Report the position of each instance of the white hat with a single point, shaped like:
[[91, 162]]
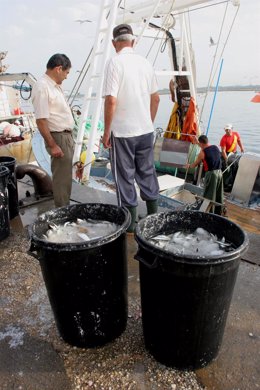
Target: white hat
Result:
[[229, 126]]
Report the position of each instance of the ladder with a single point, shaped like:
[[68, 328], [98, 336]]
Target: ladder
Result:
[[185, 60], [110, 14], [94, 81], [146, 10]]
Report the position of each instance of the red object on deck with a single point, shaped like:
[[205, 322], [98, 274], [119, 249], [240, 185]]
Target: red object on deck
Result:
[[190, 126], [17, 111], [256, 98]]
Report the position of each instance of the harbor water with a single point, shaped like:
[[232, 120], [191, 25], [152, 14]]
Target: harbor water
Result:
[[230, 107]]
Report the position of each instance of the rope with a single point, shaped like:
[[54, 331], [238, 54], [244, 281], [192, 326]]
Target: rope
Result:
[[215, 95], [75, 87], [85, 69], [211, 78], [205, 6], [124, 12], [162, 47], [21, 88], [224, 46], [188, 158]]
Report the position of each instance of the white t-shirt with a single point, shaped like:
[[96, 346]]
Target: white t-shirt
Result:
[[130, 78], [49, 103]]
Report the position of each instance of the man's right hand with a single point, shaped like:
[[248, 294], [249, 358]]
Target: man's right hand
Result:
[[56, 151], [106, 141]]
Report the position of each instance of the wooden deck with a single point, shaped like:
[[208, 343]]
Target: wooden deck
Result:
[[248, 219]]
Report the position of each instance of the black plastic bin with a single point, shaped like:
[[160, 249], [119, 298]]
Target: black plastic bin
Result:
[[185, 300], [86, 282], [10, 163], [4, 212]]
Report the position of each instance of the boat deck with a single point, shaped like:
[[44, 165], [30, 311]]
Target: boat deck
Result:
[[33, 356], [248, 219]]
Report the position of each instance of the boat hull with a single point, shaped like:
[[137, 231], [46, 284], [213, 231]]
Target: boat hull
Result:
[[20, 150]]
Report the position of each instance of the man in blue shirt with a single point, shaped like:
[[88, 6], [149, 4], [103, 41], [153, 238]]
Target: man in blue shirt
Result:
[[210, 155]]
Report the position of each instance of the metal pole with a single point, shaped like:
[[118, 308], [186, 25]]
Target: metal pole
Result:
[[237, 158], [215, 94]]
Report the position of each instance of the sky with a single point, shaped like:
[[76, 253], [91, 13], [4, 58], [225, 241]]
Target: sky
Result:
[[31, 31]]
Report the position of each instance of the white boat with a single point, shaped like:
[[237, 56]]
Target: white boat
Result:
[[241, 335], [152, 22], [159, 24], [16, 125]]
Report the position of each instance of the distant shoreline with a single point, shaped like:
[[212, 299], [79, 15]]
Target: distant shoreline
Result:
[[239, 88]]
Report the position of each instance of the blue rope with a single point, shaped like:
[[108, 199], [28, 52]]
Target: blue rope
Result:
[[215, 94]]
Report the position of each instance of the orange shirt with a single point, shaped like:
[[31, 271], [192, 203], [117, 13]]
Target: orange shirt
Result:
[[227, 141]]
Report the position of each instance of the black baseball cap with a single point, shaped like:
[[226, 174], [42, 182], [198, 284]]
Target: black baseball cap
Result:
[[122, 29]]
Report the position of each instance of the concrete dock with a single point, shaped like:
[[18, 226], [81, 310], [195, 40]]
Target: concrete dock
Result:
[[34, 357]]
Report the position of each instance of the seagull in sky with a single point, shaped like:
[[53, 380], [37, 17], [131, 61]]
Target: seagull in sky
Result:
[[83, 21], [212, 43]]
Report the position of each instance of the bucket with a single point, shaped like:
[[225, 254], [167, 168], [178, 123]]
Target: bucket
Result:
[[4, 212], [86, 282], [185, 299], [10, 162]]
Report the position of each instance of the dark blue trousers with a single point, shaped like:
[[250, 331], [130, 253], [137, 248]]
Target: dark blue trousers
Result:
[[132, 160]]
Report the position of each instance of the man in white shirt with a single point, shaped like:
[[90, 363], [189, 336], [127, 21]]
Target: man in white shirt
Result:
[[55, 123], [131, 103]]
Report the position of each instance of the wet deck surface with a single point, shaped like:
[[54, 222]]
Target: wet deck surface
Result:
[[34, 357]]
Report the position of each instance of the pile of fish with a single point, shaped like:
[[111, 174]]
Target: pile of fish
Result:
[[79, 231], [200, 243]]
